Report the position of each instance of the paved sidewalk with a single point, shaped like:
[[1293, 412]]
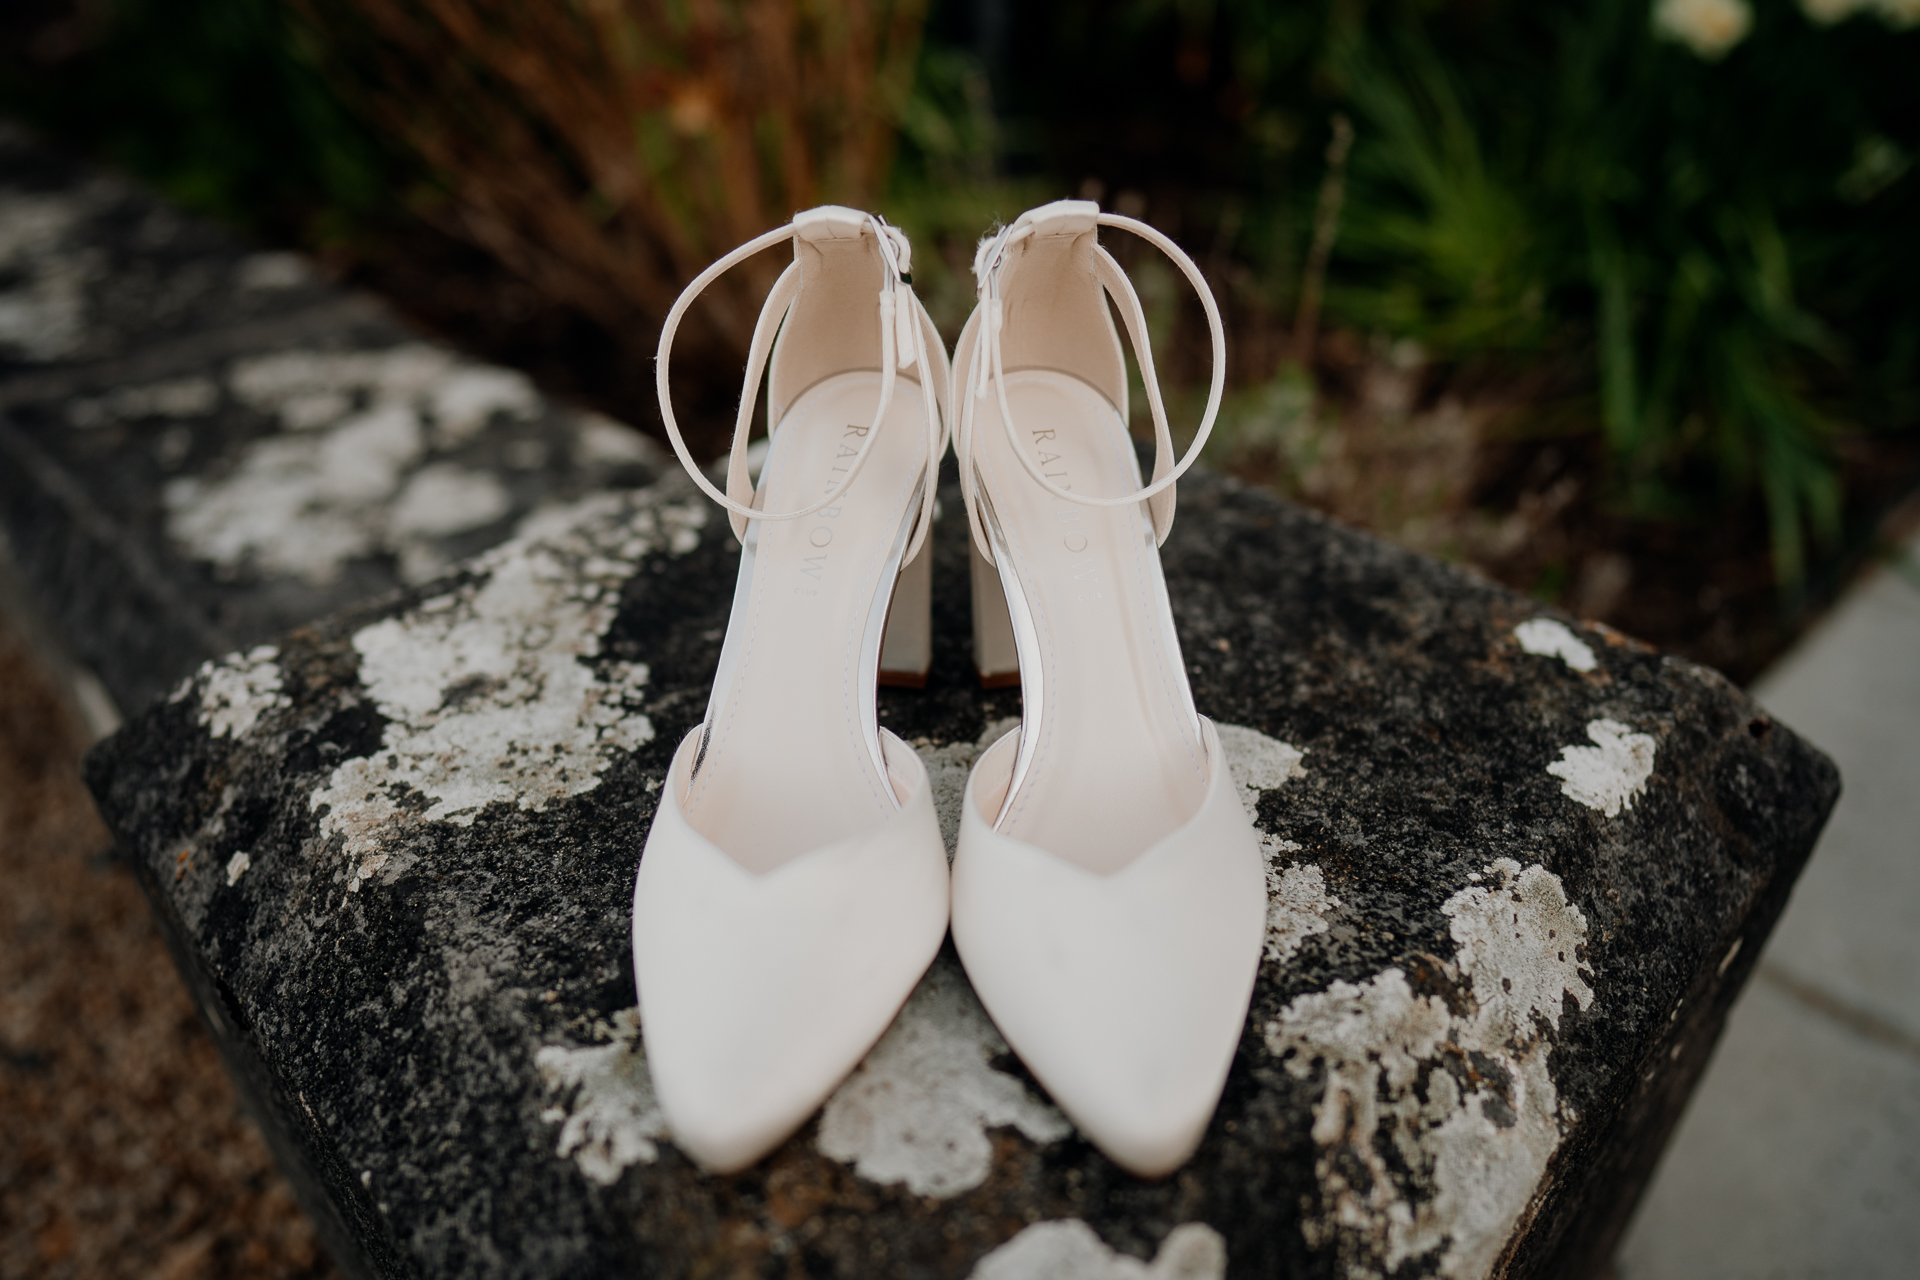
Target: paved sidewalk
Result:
[[1800, 1155]]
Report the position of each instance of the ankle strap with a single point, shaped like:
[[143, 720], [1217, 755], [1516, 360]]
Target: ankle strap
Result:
[[906, 332], [988, 366]]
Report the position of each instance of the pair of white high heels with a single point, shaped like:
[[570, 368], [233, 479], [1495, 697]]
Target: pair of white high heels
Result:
[[1107, 897]]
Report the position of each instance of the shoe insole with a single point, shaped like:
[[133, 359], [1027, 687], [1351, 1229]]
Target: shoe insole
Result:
[[790, 760], [1114, 761]]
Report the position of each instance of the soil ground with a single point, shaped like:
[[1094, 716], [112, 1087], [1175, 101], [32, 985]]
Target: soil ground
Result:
[[123, 1148]]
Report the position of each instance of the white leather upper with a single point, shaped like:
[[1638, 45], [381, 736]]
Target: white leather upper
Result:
[[759, 993], [1109, 894], [793, 889], [794, 884], [1123, 993]]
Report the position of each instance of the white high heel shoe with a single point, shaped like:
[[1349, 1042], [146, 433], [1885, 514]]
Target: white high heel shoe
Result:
[[794, 883], [1109, 900]]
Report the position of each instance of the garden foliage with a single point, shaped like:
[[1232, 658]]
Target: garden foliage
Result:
[[1706, 205], [1704, 208], [1726, 240], [217, 103]]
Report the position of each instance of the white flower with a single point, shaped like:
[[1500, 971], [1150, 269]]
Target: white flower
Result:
[[1708, 27]]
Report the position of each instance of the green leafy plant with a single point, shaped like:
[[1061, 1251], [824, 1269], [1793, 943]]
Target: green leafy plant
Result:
[[1447, 249], [214, 102], [1529, 181]]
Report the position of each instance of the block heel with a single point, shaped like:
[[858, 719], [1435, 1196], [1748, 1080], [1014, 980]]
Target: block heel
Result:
[[994, 655], [906, 652]]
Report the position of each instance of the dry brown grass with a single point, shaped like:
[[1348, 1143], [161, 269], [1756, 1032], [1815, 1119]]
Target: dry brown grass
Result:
[[607, 150]]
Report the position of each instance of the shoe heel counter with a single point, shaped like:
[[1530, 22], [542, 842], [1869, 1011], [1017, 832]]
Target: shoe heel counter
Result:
[[994, 655], [906, 647]]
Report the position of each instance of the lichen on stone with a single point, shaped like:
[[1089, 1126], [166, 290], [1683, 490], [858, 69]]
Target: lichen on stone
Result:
[[341, 480], [1258, 763], [607, 1115], [1435, 1124], [1552, 639], [444, 498], [235, 694], [603, 440], [171, 398], [1521, 935], [484, 689], [1297, 900], [299, 505], [917, 1110], [43, 303], [1612, 773], [463, 401], [394, 375]]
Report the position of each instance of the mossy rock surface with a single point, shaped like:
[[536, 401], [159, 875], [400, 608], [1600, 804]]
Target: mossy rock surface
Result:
[[1518, 866]]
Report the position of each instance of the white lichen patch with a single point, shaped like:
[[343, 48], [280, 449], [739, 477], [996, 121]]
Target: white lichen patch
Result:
[[605, 441], [1460, 1098], [918, 1109], [1069, 1249], [268, 272], [174, 398], [606, 1110], [1297, 900], [1551, 639], [299, 505], [1525, 931], [238, 865], [558, 519], [396, 375], [1258, 763], [1610, 774], [343, 479], [485, 690], [465, 399], [444, 498], [43, 303], [236, 692]]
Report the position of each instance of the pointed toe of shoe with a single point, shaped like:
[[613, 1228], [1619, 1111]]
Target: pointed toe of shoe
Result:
[[1125, 994], [722, 1117], [759, 993], [727, 1135], [1147, 1122], [751, 1017], [1141, 1086], [1154, 1149]]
